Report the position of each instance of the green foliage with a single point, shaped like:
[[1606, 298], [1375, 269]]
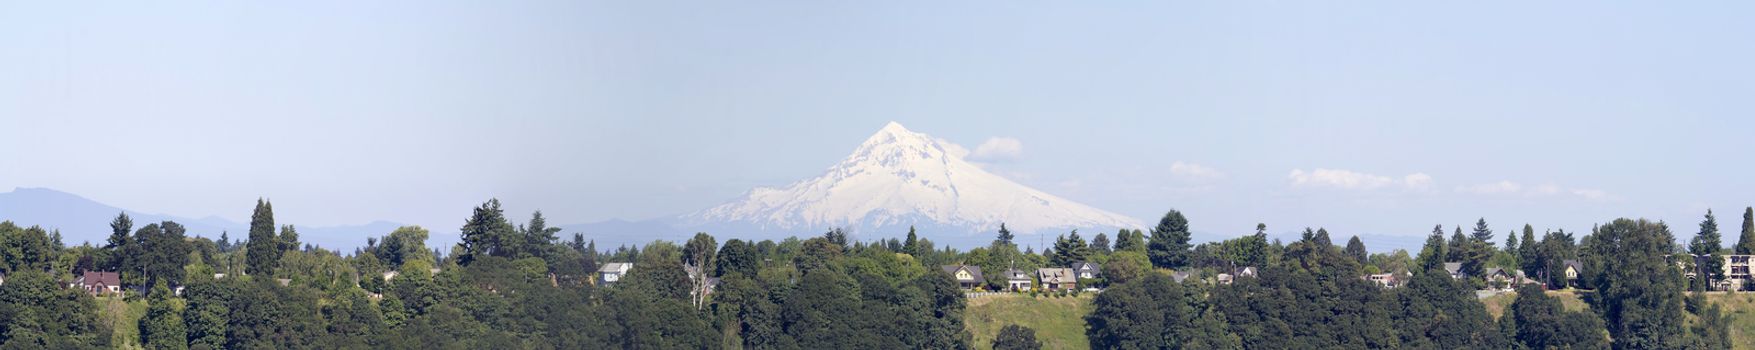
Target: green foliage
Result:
[[1482, 233], [24, 249], [487, 233], [1100, 244], [1068, 250], [1152, 312], [1130, 241], [1356, 250], [1169, 242], [1707, 244], [1539, 322], [1639, 293], [1746, 241], [1014, 337], [162, 253], [36, 312], [263, 250], [1005, 235], [162, 328]]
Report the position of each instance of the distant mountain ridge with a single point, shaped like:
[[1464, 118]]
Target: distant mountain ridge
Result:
[[84, 220]]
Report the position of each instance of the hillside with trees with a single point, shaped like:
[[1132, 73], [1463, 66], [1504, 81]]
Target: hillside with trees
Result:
[[522, 284]]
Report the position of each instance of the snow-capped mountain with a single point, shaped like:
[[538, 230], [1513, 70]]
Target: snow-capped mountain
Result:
[[899, 178]]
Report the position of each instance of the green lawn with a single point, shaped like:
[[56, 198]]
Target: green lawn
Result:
[[1059, 322], [123, 317]]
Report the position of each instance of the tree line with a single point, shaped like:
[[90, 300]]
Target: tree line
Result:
[[1309, 294], [521, 285]]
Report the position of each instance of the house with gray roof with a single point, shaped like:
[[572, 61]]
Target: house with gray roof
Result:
[[967, 276]]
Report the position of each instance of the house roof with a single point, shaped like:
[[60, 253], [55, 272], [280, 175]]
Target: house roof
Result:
[[106, 278], [974, 271], [1496, 271], [616, 267], [1179, 276], [1453, 268], [1016, 275], [1574, 264], [1050, 274], [1083, 265], [1247, 271]]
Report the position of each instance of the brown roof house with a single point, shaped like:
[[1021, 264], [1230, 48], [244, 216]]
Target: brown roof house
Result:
[[1057, 278], [967, 276], [99, 283]]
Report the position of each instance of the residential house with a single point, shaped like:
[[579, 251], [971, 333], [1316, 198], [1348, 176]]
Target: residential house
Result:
[[1180, 276], [1087, 270], [613, 272], [1455, 270], [1017, 280], [99, 283], [1054, 278], [967, 276], [1574, 270], [1387, 280], [390, 275], [1501, 278], [1226, 278]]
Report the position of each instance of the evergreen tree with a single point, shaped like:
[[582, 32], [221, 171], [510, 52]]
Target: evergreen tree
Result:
[[1005, 236], [1746, 242], [1015, 337], [1706, 244], [1068, 250], [1130, 241], [1356, 250], [1528, 254], [907, 245], [263, 251], [1100, 244], [1511, 243], [1482, 234], [1432, 255], [116, 248], [288, 239], [1168, 247], [486, 233], [225, 242]]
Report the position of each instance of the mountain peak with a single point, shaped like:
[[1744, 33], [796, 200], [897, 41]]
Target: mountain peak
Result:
[[898, 178]]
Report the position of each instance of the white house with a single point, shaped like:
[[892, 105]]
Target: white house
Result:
[[613, 272], [1087, 270]]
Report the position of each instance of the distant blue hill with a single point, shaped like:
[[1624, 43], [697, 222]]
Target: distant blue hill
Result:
[[84, 220]]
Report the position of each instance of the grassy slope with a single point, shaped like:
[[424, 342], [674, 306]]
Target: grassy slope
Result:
[[1059, 322], [123, 317]]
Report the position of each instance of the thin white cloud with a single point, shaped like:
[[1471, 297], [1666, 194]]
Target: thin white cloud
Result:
[[1338, 179], [1418, 181], [998, 148], [1509, 188], [1501, 187], [1592, 194], [1195, 171]]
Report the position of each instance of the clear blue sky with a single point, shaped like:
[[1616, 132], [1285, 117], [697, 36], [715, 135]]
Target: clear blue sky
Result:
[[1559, 114]]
